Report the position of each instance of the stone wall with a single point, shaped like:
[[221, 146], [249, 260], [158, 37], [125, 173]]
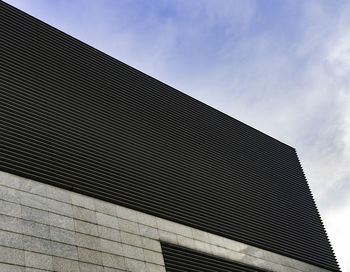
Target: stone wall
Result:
[[45, 228]]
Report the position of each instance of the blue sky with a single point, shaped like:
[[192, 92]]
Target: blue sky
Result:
[[282, 67]]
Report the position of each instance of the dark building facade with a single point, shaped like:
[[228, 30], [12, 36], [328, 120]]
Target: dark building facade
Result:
[[89, 140]]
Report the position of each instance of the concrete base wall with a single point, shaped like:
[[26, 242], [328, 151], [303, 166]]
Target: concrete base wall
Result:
[[45, 228]]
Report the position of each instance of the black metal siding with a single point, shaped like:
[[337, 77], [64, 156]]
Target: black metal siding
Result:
[[180, 259], [75, 117]]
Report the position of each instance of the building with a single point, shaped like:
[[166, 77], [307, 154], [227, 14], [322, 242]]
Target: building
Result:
[[104, 168]]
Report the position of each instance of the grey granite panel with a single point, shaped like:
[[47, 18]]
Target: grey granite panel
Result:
[[127, 213], [10, 180], [10, 223], [61, 221], [89, 256], [84, 214], [108, 233], [36, 244], [33, 187], [151, 244], [38, 260], [105, 207], [61, 235], [88, 241], [131, 239], [35, 229], [60, 207], [35, 215], [129, 226], [113, 261], [11, 239], [10, 208], [11, 268], [133, 252], [9, 194], [64, 250], [135, 265], [148, 231], [86, 227], [11, 255], [83, 201], [58, 194], [34, 201], [111, 247], [86, 267], [107, 220], [65, 265]]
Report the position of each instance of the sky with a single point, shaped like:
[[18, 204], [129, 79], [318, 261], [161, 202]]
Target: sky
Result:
[[282, 67]]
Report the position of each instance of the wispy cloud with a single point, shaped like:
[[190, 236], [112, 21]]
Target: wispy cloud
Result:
[[282, 67]]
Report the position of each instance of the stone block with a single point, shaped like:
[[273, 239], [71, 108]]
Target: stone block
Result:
[[35, 229], [10, 223], [151, 244], [126, 213], [10, 180], [107, 220], [59, 207], [64, 250], [113, 261], [234, 255], [86, 267], [34, 201], [149, 232], [61, 221], [203, 247], [10, 208], [84, 214], [129, 226], [154, 268], [200, 235], [135, 265], [111, 247], [153, 257], [11, 268], [85, 227], [146, 219], [131, 239], [218, 251], [89, 256], [109, 269], [83, 201], [11, 239], [174, 227], [185, 241], [37, 245], [11, 255], [88, 241], [166, 236], [35, 215], [32, 187], [58, 194], [10, 194], [105, 207], [108, 233], [37, 260], [64, 265], [62, 235], [133, 252]]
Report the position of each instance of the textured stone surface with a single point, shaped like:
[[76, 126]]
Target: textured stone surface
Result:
[[38, 260], [44, 228]]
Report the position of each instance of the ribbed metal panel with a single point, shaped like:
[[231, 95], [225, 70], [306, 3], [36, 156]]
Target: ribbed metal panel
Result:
[[180, 259], [74, 117]]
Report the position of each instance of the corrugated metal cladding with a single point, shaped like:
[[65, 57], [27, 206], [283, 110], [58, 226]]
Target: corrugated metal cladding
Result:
[[180, 259], [76, 118]]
